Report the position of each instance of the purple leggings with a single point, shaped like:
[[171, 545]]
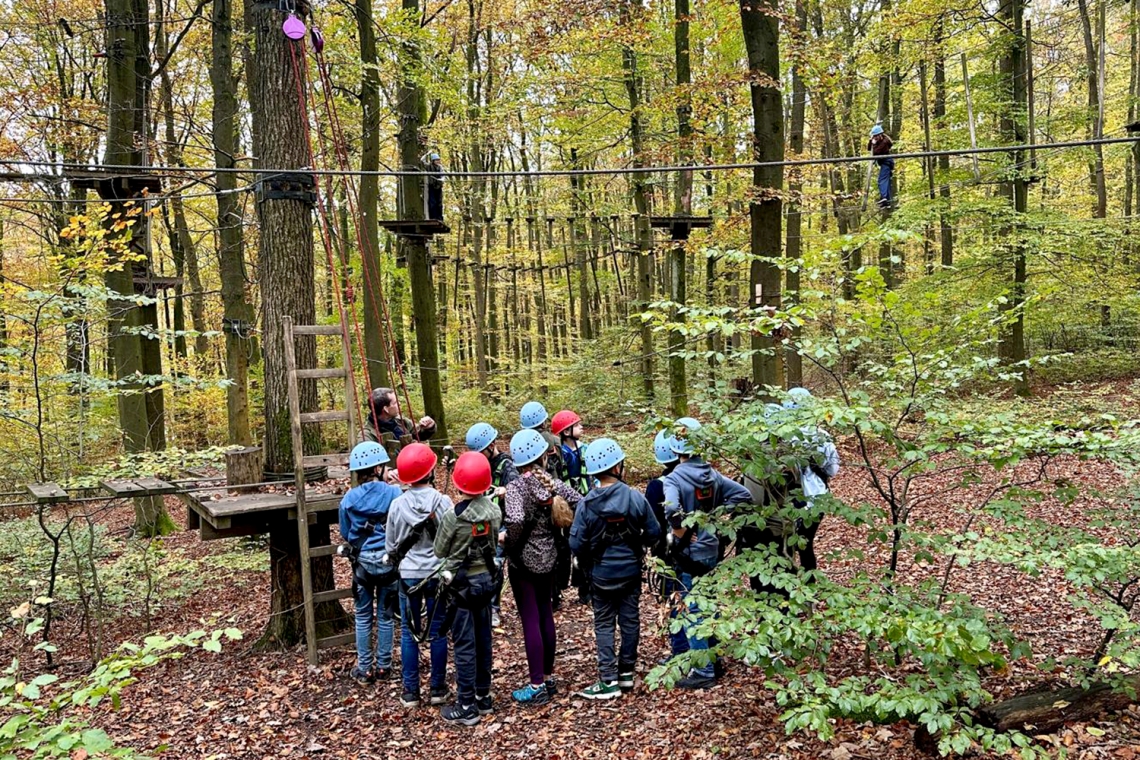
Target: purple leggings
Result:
[[532, 598]]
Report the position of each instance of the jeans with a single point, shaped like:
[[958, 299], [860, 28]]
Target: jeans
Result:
[[696, 643], [471, 637], [532, 597], [372, 604], [611, 610], [410, 612], [678, 641], [886, 169]]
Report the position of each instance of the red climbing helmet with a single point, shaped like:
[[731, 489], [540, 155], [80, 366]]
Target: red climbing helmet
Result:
[[564, 420], [472, 474], [415, 462]]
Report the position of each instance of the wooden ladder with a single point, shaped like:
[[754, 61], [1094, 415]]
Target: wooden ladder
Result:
[[297, 420]]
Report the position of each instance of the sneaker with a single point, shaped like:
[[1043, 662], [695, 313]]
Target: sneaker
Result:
[[695, 681], [601, 690], [361, 677], [381, 674], [625, 681], [410, 699], [531, 695], [496, 620], [440, 695], [485, 704], [461, 715], [551, 686]]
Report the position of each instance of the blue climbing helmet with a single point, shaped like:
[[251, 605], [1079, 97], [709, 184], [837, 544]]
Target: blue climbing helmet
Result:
[[680, 443], [367, 455], [876, 130], [532, 415], [480, 436], [602, 455], [797, 397], [527, 446], [663, 448]]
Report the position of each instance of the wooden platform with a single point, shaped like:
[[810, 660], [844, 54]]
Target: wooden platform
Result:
[[221, 513], [415, 227], [680, 226], [129, 489], [47, 493]]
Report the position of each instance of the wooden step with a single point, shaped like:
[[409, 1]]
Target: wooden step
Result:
[[340, 640], [325, 460], [322, 373], [317, 330], [47, 493], [331, 596], [335, 416], [323, 551]]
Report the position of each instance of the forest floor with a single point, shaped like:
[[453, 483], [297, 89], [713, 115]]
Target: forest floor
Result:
[[245, 704]]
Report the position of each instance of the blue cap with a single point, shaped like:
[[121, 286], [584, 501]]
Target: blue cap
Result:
[[663, 448], [681, 444], [527, 446], [797, 397], [367, 455], [876, 130], [532, 415], [480, 436], [601, 455]]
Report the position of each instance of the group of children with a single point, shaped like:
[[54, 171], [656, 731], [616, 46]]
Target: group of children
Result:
[[538, 502]]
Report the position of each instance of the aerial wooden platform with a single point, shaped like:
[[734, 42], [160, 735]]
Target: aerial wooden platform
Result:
[[680, 226], [222, 513], [415, 227]]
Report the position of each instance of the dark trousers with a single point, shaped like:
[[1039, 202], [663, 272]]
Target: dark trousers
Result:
[[806, 530], [471, 637], [532, 597], [435, 202], [613, 609]]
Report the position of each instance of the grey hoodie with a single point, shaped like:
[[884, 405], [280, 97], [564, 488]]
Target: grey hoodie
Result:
[[406, 512], [681, 487]]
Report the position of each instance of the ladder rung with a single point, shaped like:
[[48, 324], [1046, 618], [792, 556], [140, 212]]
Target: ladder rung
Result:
[[323, 551], [325, 460], [318, 374], [340, 640], [331, 596], [316, 330], [337, 416]]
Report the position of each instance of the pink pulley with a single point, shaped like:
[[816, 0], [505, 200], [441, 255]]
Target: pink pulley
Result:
[[293, 27], [318, 40]]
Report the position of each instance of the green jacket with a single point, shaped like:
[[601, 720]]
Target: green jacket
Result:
[[461, 530]]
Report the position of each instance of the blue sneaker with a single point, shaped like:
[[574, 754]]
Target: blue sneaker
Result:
[[531, 695]]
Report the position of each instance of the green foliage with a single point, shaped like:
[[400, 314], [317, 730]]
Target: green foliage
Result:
[[44, 711]]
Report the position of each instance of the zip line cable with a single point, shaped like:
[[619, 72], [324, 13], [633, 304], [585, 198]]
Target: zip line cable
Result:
[[134, 171]]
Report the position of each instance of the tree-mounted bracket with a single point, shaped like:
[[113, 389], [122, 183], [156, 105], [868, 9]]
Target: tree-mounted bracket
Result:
[[296, 186], [237, 327]]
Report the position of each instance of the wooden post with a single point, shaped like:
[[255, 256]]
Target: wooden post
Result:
[[970, 116], [244, 466]]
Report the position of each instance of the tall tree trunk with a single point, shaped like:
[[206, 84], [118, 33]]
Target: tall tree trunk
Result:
[[760, 24], [793, 250], [682, 206], [1096, 128], [375, 340], [939, 113], [413, 112], [580, 245], [1011, 346], [231, 247], [643, 233]]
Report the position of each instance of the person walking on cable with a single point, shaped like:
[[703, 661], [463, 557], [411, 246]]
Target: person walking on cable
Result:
[[880, 147], [612, 527]]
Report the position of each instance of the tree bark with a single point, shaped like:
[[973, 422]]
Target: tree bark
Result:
[[946, 231], [682, 206], [793, 250], [761, 28], [1092, 66], [1045, 711]]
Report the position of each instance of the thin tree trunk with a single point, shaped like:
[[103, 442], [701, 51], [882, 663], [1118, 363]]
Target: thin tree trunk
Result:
[[675, 264], [794, 251], [939, 113], [1092, 65]]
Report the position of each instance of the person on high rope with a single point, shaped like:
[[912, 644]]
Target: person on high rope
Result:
[[612, 528], [880, 147], [435, 181], [484, 439], [363, 516], [386, 425]]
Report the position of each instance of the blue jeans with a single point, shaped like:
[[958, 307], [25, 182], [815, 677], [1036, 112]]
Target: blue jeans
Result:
[[886, 169], [695, 643], [678, 641], [410, 611], [471, 637], [372, 604]]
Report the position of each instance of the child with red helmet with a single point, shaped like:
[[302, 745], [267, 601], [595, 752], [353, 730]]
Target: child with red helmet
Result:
[[466, 544]]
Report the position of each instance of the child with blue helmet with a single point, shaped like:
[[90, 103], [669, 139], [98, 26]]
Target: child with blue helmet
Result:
[[363, 525]]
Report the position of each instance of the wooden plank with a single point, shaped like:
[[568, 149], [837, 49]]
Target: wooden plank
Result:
[[193, 519], [156, 487], [331, 596], [339, 415], [47, 493], [239, 505], [323, 551], [322, 373], [210, 533], [326, 460], [340, 640], [315, 330], [125, 489]]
